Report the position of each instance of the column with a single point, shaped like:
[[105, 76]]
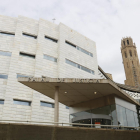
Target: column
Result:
[[56, 109]]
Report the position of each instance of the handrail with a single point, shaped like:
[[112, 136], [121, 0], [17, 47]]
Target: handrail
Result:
[[74, 124]]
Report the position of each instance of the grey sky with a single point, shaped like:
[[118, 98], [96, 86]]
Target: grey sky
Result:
[[103, 21]]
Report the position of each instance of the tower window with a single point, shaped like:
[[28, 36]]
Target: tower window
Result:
[[128, 42], [130, 53], [125, 54], [132, 63], [124, 43]]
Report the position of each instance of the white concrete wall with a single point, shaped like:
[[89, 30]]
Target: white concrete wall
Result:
[[125, 104], [10, 89]]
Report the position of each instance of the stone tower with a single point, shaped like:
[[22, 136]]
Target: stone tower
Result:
[[130, 62]]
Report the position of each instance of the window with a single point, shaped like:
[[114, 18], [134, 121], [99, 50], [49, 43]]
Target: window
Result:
[[130, 52], [124, 43], [130, 118], [20, 75], [121, 113], [82, 50], [51, 39], [50, 58], [79, 48], [5, 53], [47, 104], [67, 107], [85, 69], [72, 63], [79, 66], [125, 54], [7, 33], [132, 63], [20, 102], [1, 101], [70, 44], [128, 42], [27, 55], [29, 35], [91, 54], [3, 76]]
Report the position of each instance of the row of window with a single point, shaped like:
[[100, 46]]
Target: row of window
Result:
[[28, 103], [5, 76], [29, 55], [78, 48], [79, 66], [130, 52], [51, 39], [126, 41], [55, 60], [29, 35]]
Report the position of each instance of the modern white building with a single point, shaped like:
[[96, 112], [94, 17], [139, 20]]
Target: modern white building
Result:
[[39, 48]]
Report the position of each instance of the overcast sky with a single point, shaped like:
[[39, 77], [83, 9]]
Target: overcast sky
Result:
[[103, 21]]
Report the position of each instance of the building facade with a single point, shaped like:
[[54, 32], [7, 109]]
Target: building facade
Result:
[[39, 48], [130, 62], [29, 48]]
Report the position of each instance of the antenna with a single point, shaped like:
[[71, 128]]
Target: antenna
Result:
[[53, 20]]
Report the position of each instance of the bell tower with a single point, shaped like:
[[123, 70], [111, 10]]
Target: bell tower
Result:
[[130, 62]]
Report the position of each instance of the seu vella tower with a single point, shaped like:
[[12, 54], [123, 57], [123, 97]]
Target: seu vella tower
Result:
[[130, 62]]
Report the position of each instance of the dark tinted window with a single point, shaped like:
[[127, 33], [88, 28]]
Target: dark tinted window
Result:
[[1, 101], [29, 35], [70, 44], [7, 33], [51, 39], [27, 55]]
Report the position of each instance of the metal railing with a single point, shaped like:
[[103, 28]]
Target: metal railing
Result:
[[72, 124]]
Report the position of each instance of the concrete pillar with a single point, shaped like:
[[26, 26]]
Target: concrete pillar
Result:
[[56, 109]]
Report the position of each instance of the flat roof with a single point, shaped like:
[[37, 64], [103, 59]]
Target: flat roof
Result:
[[73, 91]]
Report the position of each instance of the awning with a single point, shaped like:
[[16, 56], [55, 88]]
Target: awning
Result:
[[73, 91]]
